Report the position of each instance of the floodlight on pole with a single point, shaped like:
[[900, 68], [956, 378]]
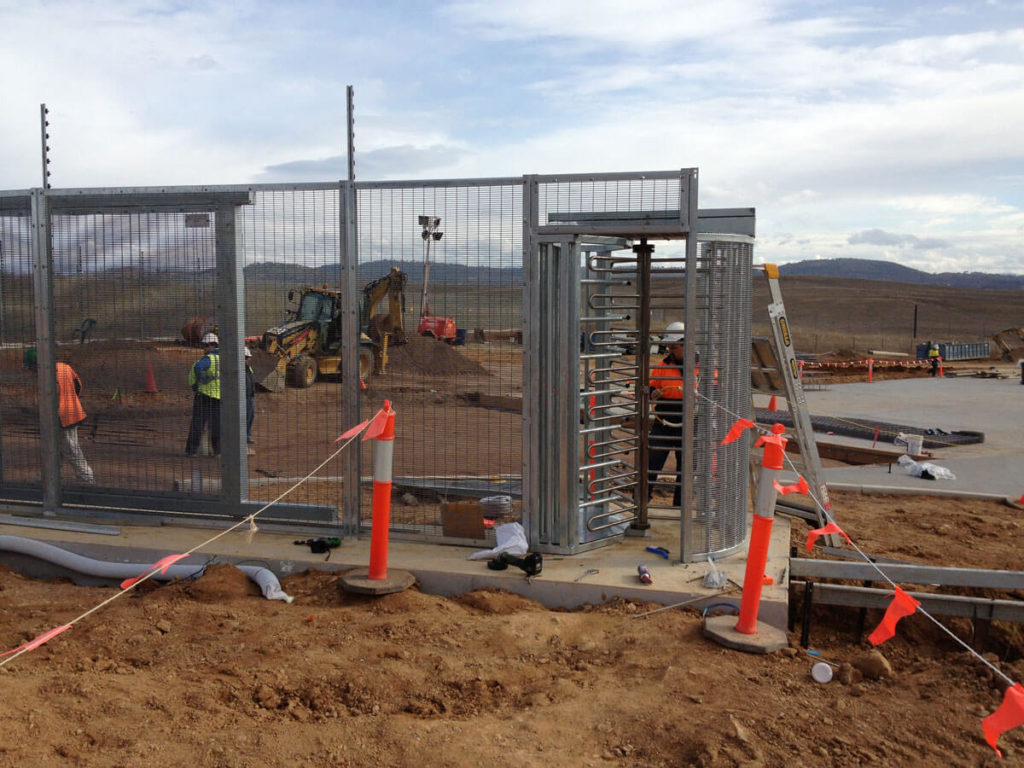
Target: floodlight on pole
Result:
[[430, 232]]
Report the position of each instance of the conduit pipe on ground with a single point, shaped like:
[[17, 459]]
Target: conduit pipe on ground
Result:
[[264, 578]]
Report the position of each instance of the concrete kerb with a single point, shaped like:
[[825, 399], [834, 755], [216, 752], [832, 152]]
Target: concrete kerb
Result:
[[898, 490]]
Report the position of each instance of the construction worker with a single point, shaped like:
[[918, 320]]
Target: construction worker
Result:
[[250, 399], [933, 359], [667, 388], [71, 413], [204, 378]]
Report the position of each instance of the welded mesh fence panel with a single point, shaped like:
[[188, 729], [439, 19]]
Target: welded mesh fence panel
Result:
[[558, 201], [124, 285], [289, 241], [456, 382], [19, 404]]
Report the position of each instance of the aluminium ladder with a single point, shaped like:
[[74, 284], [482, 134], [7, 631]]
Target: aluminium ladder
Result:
[[789, 373]]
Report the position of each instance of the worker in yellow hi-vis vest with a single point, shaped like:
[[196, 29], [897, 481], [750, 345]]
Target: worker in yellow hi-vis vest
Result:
[[204, 378], [933, 359]]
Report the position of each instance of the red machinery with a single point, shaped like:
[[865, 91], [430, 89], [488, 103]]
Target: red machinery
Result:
[[442, 328]]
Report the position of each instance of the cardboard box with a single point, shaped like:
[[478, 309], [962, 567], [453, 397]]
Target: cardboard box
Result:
[[462, 519]]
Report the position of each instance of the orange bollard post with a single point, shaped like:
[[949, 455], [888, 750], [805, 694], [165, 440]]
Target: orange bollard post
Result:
[[383, 460], [941, 374], [761, 530], [150, 380], [376, 580], [871, 367], [747, 634]]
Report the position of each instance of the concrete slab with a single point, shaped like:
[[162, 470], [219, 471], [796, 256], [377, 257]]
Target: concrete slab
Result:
[[994, 468]]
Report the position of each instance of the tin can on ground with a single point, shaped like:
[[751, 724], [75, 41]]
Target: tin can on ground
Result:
[[645, 574]]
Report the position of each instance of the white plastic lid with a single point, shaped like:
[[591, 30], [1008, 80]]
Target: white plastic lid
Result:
[[821, 672]]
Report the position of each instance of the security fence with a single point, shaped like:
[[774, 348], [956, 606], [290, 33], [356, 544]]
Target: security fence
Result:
[[458, 301]]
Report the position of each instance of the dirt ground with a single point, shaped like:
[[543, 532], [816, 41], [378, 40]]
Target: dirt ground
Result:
[[209, 673]]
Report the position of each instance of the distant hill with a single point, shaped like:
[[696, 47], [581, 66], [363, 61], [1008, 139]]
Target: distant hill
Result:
[[440, 272], [871, 269]]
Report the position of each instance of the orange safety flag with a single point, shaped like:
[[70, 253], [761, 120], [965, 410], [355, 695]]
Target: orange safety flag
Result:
[[736, 430], [160, 566], [800, 486], [830, 528], [1009, 715], [902, 605], [31, 645], [353, 431], [377, 424]]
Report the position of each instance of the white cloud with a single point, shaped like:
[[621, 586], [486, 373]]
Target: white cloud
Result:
[[831, 119]]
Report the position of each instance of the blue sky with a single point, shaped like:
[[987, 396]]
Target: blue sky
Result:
[[889, 130]]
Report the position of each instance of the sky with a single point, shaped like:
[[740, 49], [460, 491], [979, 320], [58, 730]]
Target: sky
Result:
[[880, 130]]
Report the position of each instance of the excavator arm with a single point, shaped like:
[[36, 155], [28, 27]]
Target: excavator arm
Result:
[[377, 326]]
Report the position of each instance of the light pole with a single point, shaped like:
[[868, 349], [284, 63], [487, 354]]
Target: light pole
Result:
[[429, 233]]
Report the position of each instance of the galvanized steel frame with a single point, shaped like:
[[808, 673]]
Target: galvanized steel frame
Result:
[[551, 253]]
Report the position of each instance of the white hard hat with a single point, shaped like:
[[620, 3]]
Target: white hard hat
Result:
[[210, 338], [675, 333], [248, 352]]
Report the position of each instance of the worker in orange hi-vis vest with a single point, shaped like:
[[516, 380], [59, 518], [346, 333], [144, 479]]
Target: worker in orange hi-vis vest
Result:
[[667, 388], [71, 413]]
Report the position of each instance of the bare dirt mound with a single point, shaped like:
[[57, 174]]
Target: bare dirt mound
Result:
[[430, 357], [487, 679]]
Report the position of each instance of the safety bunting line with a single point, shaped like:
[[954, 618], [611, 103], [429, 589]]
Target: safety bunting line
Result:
[[372, 426], [1010, 713]]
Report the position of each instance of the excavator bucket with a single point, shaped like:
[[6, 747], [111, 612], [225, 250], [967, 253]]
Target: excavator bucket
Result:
[[269, 371]]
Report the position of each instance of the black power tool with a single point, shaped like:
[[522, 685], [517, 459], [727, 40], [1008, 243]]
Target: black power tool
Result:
[[530, 563], [320, 545]]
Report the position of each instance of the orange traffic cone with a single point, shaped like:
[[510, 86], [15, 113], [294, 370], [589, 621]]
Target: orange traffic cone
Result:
[[772, 406], [150, 380], [362, 384], [1021, 499]]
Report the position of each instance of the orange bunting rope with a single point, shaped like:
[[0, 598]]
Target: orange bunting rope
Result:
[[800, 486], [160, 566], [812, 536], [376, 427], [902, 605], [1009, 715], [31, 645]]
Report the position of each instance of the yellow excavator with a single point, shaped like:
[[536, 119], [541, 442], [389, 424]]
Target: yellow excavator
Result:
[[307, 344]]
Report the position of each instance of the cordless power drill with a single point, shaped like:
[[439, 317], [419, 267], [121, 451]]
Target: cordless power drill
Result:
[[320, 545]]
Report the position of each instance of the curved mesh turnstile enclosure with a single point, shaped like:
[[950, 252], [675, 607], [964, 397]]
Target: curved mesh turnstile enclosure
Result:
[[615, 259]]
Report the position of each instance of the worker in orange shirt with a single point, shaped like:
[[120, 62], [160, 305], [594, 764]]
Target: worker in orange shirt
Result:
[[667, 388], [71, 413]]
